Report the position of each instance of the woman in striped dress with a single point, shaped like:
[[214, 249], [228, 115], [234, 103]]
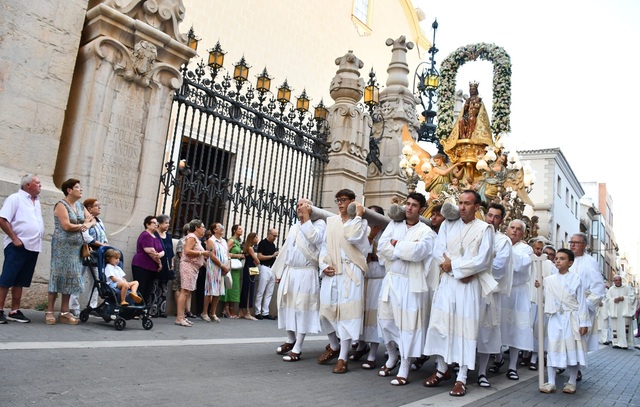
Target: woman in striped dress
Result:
[[217, 266]]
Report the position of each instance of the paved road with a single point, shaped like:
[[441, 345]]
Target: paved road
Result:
[[234, 363]]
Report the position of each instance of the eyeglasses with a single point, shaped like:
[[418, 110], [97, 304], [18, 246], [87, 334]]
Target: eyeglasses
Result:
[[572, 242], [341, 200]]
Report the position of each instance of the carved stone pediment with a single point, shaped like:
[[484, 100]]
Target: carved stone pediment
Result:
[[163, 15]]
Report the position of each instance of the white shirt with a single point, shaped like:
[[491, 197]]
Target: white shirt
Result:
[[113, 271], [25, 218]]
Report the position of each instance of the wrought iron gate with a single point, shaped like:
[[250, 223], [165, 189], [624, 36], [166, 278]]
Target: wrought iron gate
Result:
[[237, 157]]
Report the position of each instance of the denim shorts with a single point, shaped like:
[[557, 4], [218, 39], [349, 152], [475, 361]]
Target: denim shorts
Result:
[[18, 268]]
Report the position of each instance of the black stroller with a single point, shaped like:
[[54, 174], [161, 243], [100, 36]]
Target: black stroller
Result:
[[110, 309]]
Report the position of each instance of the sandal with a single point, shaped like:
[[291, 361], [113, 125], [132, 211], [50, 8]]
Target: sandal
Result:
[[495, 367], [400, 381], [434, 379], [459, 389], [386, 371], [548, 388], [369, 365], [184, 323], [291, 357], [533, 366], [418, 362], [341, 367], [284, 348], [49, 319], [579, 378], [357, 355], [328, 355], [512, 375], [569, 388], [483, 381]]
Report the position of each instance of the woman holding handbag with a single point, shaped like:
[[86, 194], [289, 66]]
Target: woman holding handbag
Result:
[[236, 256], [249, 281], [217, 267]]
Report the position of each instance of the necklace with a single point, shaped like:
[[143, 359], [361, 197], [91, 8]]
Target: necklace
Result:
[[468, 226]]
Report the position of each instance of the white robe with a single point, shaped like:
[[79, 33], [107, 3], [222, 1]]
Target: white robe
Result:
[[516, 328], [593, 282], [299, 289], [489, 335], [621, 314], [373, 286], [566, 307], [455, 312], [342, 295], [403, 314]]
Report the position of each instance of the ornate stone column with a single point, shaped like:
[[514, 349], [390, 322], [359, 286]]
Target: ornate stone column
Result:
[[350, 128], [119, 109], [398, 108]]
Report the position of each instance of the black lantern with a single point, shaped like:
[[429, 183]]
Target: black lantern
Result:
[[302, 105], [192, 40], [241, 71], [216, 57], [263, 84], [320, 112], [284, 93]]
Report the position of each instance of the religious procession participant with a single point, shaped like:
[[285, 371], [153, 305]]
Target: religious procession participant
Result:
[[621, 307], [592, 281], [516, 329], [464, 250], [568, 322], [370, 338], [405, 249], [489, 335], [604, 321], [343, 264], [540, 264], [296, 271]]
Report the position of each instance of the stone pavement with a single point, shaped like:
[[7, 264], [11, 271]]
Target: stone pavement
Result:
[[234, 363]]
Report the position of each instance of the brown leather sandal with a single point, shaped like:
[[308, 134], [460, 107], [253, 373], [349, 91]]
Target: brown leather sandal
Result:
[[459, 389], [284, 348], [357, 355], [341, 367], [328, 356], [434, 379], [399, 381], [386, 371], [291, 357]]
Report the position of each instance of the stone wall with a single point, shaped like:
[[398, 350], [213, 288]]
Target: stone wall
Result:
[[38, 46]]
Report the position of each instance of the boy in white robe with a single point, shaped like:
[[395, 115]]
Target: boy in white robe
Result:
[[569, 321]]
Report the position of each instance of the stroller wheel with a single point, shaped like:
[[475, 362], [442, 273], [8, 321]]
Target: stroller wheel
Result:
[[84, 316], [120, 323], [147, 323]]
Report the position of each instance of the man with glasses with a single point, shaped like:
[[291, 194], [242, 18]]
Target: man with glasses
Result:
[[343, 263], [267, 253], [592, 281]]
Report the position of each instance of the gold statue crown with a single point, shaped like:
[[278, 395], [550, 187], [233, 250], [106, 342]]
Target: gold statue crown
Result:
[[473, 83]]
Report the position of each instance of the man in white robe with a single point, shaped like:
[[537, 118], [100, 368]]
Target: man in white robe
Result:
[[296, 270], [516, 328], [464, 251], [621, 306], [592, 281], [405, 249], [489, 336], [343, 263]]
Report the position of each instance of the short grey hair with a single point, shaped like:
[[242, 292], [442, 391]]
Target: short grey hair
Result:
[[523, 226], [582, 236], [26, 179]]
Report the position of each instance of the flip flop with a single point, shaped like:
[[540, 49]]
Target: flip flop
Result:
[[183, 323]]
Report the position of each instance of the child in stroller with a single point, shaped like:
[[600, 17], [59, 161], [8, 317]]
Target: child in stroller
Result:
[[116, 278], [112, 307]]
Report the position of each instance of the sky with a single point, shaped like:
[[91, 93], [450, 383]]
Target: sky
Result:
[[575, 84]]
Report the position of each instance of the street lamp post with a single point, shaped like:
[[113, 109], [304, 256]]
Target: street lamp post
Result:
[[427, 90]]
